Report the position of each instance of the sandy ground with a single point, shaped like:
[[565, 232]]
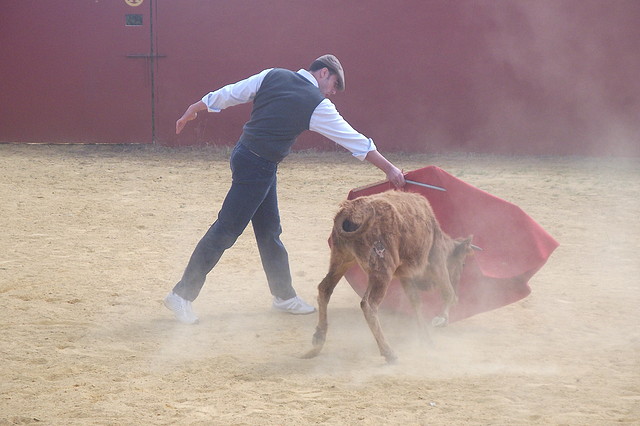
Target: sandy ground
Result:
[[93, 238]]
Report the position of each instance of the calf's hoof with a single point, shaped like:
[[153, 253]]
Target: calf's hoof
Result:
[[318, 338], [312, 353], [390, 357], [439, 322]]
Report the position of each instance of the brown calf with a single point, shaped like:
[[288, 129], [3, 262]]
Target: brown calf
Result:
[[392, 234]]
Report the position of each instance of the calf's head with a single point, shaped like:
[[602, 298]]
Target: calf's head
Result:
[[455, 261]]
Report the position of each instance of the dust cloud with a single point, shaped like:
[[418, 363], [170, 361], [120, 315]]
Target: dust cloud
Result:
[[96, 236], [561, 75]]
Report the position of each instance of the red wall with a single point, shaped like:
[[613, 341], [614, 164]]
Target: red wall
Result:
[[519, 77], [65, 75]]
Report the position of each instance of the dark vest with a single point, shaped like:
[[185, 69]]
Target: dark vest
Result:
[[282, 109]]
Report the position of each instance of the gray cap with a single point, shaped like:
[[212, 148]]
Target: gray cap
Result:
[[334, 65]]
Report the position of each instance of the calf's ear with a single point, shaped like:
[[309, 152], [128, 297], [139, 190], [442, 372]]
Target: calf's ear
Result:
[[463, 246]]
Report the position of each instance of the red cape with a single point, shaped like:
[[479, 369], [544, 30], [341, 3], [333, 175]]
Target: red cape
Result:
[[514, 247]]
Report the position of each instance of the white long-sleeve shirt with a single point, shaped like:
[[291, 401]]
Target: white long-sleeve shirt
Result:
[[325, 119]]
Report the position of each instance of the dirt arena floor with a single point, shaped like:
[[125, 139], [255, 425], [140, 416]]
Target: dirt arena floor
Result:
[[93, 237]]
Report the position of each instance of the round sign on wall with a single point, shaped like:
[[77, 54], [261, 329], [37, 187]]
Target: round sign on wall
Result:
[[133, 3]]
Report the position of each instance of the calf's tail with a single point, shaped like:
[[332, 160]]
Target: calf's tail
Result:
[[353, 219]]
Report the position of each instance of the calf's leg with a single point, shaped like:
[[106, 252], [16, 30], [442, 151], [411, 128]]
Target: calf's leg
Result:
[[337, 270], [378, 284], [412, 293], [449, 297]]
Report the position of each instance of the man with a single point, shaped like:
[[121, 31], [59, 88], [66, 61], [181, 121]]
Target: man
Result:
[[285, 103]]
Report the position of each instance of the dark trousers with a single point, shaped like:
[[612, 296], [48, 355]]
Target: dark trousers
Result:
[[251, 198]]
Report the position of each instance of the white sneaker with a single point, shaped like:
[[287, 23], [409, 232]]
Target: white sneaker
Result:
[[181, 308], [295, 306]]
